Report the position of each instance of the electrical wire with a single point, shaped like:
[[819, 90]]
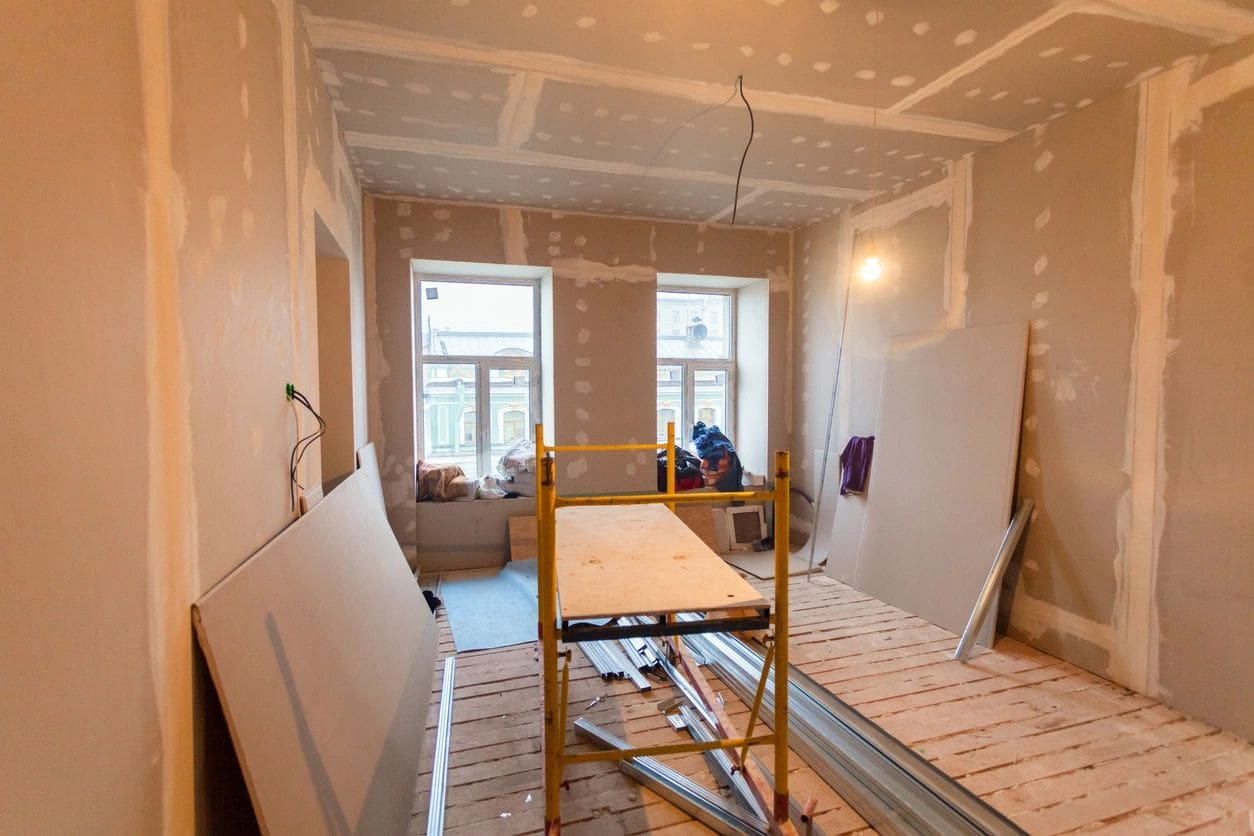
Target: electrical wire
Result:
[[303, 443], [740, 86], [666, 143]]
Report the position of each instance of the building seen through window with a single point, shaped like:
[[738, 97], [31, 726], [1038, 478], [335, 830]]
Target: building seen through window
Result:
[[478, 369], [696, 364]]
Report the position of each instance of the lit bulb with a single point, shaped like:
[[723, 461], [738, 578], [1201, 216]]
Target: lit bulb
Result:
[[871, 269]]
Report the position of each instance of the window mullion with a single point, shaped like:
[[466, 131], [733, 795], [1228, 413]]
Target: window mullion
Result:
[[483, 417], [689, 412]]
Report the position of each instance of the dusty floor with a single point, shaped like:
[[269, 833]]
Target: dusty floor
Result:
[[1053, 747]]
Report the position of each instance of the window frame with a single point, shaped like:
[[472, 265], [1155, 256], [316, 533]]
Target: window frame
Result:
[[691, 365], [484, 366]]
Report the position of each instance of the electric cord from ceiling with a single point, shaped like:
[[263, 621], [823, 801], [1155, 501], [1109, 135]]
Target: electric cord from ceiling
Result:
[[303, 443], [740, 87], [671, 136], [737, 89]]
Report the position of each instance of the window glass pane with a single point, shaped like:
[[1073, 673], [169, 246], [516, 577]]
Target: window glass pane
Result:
[[670, 400], [476, 318], [510, 395], [693, 324], [710, 396], [448, 409]]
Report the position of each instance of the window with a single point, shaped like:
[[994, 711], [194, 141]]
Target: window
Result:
[[513, 426], [478, 368], [696, 363]]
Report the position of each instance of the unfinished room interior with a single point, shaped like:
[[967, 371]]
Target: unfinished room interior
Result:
[[603, 417]]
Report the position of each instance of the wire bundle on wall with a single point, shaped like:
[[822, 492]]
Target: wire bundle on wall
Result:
[[304, 442]]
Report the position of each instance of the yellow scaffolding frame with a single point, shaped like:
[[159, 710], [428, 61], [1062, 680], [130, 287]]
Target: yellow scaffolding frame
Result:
[[555, 688]]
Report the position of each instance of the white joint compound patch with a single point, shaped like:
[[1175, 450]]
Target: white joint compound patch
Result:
[[583, 387], [584, 272]]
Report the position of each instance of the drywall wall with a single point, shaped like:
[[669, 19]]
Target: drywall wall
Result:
[[1116, 231], [601, 371], [79, 704], [603, 297], [1205, 572], [910, 297], [163, 164], [335, 366], [1046, 250]]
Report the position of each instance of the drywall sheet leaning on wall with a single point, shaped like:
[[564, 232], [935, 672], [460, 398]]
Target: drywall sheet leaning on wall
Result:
[[943, 474], [321, 649]]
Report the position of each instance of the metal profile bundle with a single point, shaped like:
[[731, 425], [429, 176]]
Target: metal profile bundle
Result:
[[993, 582], [611, 662], [711, 810], [720, 762], [439, 768], [887, 783]]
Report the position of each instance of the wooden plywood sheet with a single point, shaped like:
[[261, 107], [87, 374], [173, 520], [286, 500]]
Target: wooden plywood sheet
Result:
[[943, 473], [322, 651], [762, 564], [640, 559], [701, 521], [522, 538]]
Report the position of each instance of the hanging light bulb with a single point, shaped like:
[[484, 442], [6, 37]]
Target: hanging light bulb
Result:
[[871, 269]]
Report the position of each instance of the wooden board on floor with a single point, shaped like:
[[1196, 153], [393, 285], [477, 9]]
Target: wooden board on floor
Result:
[[322, 649], [522, 538], [701, 521], [942, 478], [762, 564], [1033, 766], [640, 559]]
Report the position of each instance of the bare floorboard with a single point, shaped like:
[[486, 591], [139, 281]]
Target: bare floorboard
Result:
[[1054, 747]]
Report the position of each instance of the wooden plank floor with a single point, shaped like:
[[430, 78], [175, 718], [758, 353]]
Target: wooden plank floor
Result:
[[1053, 747]]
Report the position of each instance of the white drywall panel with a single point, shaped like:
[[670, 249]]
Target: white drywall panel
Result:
[[321, 649], [943, 471]]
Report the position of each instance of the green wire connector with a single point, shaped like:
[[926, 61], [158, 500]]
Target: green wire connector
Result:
[[289, 390]]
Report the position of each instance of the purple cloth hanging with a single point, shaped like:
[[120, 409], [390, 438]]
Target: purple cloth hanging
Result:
[[855, 464]]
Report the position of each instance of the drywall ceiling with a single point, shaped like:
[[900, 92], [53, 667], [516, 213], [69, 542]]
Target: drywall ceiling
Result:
[[629, 108]]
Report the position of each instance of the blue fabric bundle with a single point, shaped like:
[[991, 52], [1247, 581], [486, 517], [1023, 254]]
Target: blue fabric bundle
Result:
[[712, 446]]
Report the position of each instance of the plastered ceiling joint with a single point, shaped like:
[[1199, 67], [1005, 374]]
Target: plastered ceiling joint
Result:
[[380, 40], [537, 158], [1211, 19], [985, 56]]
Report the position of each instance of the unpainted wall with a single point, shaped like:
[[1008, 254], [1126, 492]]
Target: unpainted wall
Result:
[[163, 164], [604, 296], [1136, 334], [1051, 243], [910, 297], [1206, 561], [82, 736]]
